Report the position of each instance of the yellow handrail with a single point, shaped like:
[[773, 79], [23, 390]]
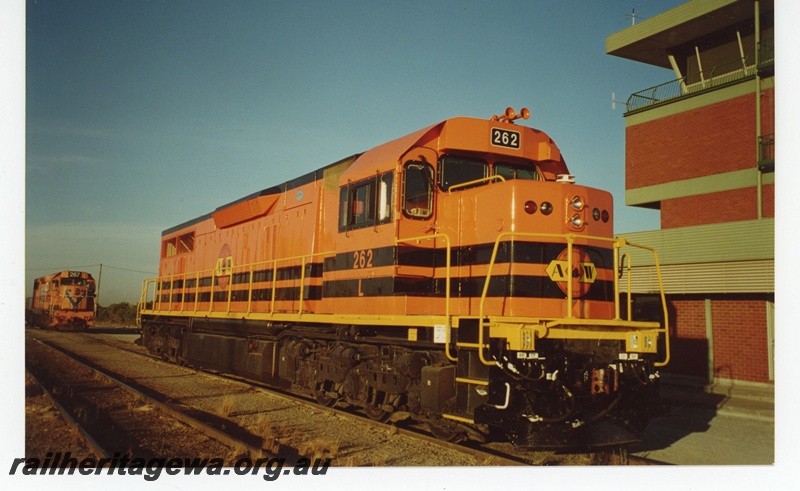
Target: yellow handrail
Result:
[[476, 181], [570, 238], [446, 285], [158, 283], [663, 301]]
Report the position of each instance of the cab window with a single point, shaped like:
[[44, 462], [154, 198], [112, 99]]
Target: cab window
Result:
[[417, 190], [366, 203], [516, 171], [457, 171]]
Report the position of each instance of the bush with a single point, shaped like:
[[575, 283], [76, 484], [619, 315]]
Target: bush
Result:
[[117, 313]]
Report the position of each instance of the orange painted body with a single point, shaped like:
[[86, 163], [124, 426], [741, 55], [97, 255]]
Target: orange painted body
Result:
[[341, 233], [64, 300], [456, 274]]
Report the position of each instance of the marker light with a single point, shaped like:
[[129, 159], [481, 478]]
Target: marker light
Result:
[[530, 207], [596, 214], [605, 216], [546, 208]]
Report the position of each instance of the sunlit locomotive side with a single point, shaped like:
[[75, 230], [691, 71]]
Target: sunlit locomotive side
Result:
[[63, 301], [456, 276]]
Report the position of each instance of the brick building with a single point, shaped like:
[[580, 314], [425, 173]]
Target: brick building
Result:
[[699, 148]]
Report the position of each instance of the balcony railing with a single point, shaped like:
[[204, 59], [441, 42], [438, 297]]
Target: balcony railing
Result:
[[714, 77]]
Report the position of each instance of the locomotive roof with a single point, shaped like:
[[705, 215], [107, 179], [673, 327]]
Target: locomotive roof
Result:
[[382, 157], [398, 145]]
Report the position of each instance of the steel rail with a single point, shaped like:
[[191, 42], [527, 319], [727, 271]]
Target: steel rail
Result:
[[90, 441], [174, 410]]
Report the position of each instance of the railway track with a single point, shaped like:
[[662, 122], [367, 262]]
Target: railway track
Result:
[[288, 441], [71, 420], [482, 455], [117, 418]]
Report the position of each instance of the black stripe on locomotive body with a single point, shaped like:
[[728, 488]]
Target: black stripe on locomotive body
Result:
[[503, 285], [513, 285], [473, 255]]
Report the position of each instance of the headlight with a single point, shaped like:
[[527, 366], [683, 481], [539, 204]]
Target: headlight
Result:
[[576, 221], [577, 203]]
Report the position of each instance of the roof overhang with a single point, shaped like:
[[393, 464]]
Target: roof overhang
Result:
[[649, 40]]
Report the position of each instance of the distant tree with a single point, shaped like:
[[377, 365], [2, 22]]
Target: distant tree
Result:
[[121, 313]]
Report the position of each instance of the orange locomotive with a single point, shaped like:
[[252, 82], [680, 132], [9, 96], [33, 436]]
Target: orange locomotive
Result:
[[63, 300], [456, 276]]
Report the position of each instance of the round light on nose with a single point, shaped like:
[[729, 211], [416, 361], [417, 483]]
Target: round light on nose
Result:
[[605, 216], [577, 203], [576, 221], [596, 214], [546, 208], [530, 207]]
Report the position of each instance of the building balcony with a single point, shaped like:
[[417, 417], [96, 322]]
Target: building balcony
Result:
[[693, 84]]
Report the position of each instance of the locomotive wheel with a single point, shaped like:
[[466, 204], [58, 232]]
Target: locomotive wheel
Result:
[[377, 414]]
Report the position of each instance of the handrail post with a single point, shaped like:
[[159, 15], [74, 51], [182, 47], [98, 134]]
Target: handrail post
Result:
[[483, 296], [230, 289], [211, 299], [250, 290], [196, 291], [447, 273], [274, 286], [171, 290], [183, 291], [302, 283], [629, 266], [616, 281], [570, 238]]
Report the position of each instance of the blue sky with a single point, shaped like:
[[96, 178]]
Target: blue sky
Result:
[[144, 114]]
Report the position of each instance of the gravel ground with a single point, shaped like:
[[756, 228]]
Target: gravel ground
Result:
[[46, 430], [120, 422], [299, 428]]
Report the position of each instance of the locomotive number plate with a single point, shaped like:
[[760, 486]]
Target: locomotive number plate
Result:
[[505, 138]]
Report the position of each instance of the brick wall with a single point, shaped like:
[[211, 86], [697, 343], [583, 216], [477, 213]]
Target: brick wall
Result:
[[700, 142], [740, 339], [721, 207], [739, 330], [688, 343]]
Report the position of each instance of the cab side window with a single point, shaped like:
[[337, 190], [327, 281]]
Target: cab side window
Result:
[[418, 190], [366, 203]]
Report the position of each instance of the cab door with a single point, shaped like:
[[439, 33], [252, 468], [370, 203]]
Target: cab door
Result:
[[420, 249]]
